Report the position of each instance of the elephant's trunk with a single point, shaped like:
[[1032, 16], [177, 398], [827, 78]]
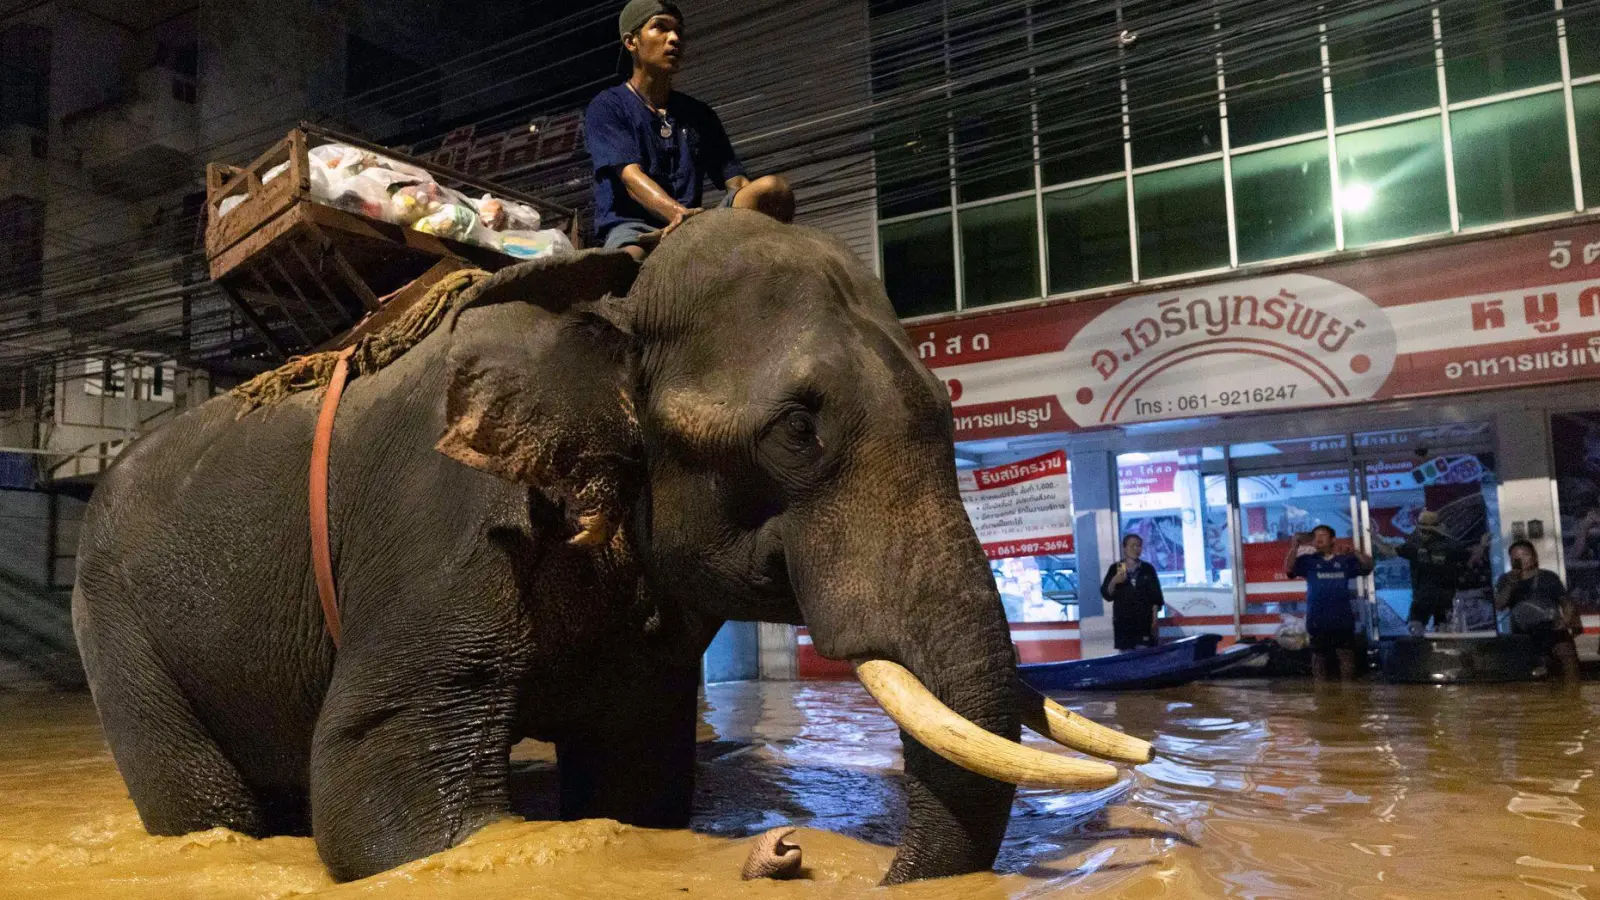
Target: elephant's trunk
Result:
[[956, 817], [917, 611]]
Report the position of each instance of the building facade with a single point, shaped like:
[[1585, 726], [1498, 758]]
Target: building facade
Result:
[[1210, 271]]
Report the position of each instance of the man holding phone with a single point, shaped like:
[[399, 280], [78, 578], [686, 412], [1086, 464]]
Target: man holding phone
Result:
[[1134, 591], [1330, 618]]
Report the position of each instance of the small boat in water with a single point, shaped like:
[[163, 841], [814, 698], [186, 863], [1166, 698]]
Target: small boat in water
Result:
[[1167, 665], [1471, 657]]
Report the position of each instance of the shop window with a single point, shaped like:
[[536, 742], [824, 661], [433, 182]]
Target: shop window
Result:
[[1586, 110], [913, 167], [1080, 96], [1495, 46], [1183, 220], [1086, 234], [1382, 62], [1021, 510], [1181, 514], [1512, 160], [1392, 183], [1575, 442], [1583, 37], [999, 253], [1172, 80], [1274, 93], [919, 265], [1282, 202]]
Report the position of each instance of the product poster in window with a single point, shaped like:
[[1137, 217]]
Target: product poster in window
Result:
[[1021, 509]]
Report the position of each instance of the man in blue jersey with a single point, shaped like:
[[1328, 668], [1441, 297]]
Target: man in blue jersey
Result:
[[1330, 617], [653, 147]]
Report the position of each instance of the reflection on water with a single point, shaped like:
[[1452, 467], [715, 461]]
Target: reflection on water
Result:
[[1261, 790]]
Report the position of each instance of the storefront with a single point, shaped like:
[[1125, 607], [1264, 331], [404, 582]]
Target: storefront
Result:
[[1217, 418]]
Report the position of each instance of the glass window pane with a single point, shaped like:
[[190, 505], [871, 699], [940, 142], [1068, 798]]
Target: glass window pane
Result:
[[1512, 160], [994, 150], [1079, 93], [1586, 108], [912, 153], [1282, 202], [1578, 495], [1172, 80], [919, 265], [1391, 182], [1086, 234], [1382, 62], [1274, 92], [999, 252], [1583, 37], [1494, 46], [1183, 220], [994, 122], [913, 167], [1180, 515]]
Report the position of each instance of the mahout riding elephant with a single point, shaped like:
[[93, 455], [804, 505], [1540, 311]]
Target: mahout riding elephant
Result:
[[539, 516]]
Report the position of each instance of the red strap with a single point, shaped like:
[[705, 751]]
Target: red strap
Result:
[[321, 552]]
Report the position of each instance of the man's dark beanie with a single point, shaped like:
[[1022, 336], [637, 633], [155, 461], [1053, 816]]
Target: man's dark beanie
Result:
[[638, 13]]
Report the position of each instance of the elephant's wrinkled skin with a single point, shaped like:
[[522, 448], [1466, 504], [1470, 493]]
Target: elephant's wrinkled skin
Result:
[[748, 425]]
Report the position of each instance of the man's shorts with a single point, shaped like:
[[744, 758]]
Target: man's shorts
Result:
[[1331, 639], [627, 232]]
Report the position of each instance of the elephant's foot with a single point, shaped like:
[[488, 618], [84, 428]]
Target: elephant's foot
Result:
[[773, 857]]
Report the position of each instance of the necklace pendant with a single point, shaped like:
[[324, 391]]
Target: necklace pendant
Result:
[[666, 129]]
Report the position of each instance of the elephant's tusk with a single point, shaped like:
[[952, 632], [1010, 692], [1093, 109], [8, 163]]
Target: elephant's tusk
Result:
[[1069, 729], [914, 708], [772, 856]]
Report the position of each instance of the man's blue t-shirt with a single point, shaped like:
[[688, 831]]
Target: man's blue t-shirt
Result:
[[621, 129], [1328, 590]]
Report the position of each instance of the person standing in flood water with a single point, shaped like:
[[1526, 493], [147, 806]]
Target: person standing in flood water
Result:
[[1541, 609], [1330, 618], [1134, 591]]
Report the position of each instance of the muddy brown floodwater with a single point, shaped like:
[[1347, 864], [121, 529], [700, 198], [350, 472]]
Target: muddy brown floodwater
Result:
[[1261, 790]]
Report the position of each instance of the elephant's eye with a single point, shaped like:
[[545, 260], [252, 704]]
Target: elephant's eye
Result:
[[802, 426]]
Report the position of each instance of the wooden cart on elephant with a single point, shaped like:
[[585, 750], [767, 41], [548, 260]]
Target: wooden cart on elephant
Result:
[[310, 276]]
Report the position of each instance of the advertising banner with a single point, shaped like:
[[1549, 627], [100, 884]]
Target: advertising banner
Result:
[[1021, 509], [1502, 312]]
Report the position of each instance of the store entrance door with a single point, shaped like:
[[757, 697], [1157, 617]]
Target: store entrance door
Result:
[[1275, 504]]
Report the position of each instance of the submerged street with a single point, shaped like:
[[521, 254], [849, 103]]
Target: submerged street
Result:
[[1261, 789]]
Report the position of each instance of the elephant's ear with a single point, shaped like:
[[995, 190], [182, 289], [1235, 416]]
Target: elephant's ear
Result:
[[539, 388]]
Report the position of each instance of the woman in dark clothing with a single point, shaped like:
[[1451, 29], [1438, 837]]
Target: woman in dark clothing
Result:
[[1134, 591], [1540, 609]]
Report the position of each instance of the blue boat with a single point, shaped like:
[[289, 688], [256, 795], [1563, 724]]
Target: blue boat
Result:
[[1167, 665]]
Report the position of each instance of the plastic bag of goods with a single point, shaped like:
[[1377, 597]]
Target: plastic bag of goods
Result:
[[1291, 635], [530, 244], [506, 215], [368, 192], [341, 159], [412, 203], [456, 221]]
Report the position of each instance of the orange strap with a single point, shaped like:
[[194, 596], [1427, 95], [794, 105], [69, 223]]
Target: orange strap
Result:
[[321, 552]]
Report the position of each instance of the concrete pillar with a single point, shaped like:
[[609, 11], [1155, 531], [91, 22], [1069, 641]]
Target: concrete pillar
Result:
[[1527, 492], [1094, 531], [779, 652]]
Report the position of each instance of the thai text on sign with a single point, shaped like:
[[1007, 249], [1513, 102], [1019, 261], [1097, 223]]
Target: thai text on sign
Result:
[[1021, 509]]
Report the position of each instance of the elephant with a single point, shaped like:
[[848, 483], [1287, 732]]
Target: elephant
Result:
[[539, 516]]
